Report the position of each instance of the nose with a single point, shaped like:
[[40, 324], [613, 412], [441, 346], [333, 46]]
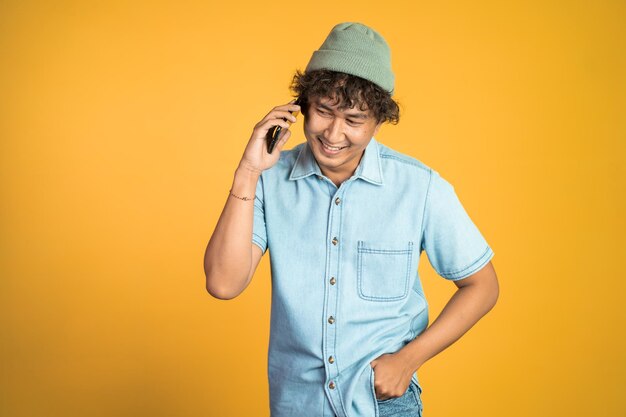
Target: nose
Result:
[[332, 133]]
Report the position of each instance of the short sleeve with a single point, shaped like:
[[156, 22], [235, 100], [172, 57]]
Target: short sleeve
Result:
[[454, 245], [259, 233]]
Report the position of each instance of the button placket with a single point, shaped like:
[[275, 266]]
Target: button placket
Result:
[[334, 247]]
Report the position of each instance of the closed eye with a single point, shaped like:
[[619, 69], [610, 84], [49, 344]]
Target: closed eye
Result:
[[326, 114]]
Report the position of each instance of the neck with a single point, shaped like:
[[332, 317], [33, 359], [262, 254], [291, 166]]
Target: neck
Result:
[[342, 173]]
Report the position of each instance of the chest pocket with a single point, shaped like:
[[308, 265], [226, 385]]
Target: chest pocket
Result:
[[383, 272]]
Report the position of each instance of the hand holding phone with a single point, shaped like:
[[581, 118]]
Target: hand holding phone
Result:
[[256, 157], [273, 133]]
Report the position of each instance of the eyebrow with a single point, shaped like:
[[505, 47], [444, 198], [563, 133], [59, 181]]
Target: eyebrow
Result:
[[351, 115]]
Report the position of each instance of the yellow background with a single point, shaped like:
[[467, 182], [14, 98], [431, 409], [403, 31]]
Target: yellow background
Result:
[[121, 124]]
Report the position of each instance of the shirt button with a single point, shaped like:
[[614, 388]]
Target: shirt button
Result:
[[335, 240], [331, 385], [337, 200], [331, 359], [331, 319], [319, 177], [332, 280]]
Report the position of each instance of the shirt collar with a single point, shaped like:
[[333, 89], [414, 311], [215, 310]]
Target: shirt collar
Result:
[[369, 169]]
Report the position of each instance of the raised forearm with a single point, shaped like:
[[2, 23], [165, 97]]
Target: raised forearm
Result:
[[227, 258]]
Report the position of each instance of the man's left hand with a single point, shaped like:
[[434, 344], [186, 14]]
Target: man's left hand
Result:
[[392, 375]]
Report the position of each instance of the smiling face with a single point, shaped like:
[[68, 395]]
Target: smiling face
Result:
[[337, 137]]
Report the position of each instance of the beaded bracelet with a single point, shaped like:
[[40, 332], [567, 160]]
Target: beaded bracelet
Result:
[[241, 198]]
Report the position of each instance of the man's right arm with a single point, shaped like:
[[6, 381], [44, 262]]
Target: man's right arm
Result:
[[231, 258]]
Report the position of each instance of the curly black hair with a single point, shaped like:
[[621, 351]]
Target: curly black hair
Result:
[[346, 89]]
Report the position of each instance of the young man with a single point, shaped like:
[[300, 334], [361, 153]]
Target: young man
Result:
[[346, 219]]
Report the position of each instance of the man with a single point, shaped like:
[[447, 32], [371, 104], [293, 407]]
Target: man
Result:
[[346, 219]]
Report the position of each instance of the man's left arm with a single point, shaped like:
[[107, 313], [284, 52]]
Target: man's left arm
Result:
[[475, 296]]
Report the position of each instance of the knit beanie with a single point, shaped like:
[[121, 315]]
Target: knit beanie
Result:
[[356, 49]]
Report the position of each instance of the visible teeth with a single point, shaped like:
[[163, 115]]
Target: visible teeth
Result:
[[332, 148]]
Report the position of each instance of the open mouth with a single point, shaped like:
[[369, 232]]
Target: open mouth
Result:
[[331, 149]]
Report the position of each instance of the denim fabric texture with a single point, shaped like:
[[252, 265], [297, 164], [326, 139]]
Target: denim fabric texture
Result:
[[344, 266], [408, 405]]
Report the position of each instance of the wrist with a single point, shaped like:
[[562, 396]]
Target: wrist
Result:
[[244, 183], [244, 169]]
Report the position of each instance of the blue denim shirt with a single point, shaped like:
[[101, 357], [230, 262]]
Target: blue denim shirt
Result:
[[344, 264]]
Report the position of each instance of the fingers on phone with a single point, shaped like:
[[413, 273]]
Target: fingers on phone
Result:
[[280, 114], [291, 107], [277, 121], [290, 115]]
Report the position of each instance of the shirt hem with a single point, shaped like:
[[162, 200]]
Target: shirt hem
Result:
[[259, 242], [472, 268]]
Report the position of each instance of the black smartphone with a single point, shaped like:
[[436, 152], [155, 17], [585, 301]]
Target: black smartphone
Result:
[[272, 134]]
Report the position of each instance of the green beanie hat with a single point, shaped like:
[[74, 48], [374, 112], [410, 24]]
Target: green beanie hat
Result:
[[356, 49]]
